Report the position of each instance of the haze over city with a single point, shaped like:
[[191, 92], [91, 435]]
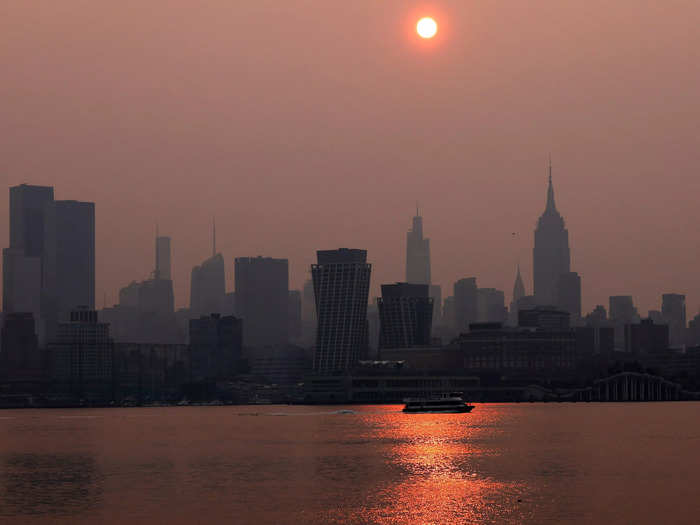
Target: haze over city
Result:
[[312, 125]]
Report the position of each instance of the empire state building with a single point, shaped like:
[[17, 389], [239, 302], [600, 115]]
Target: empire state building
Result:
[[551, 257]]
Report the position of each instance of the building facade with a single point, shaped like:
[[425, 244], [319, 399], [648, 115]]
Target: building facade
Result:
[[417, 254], [262, 300], [341, 281], [551, 257], [405, 315]]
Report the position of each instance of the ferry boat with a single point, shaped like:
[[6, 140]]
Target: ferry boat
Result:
[[452, 403]]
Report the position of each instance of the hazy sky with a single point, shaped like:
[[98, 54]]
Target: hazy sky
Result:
[[316, 124]]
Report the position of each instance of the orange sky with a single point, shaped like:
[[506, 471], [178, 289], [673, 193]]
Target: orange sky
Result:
[[316, 124]]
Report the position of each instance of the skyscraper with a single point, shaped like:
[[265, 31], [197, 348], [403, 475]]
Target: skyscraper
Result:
[[673, 312], [466, 304], [417, 253], [25, 260], [341, 288], [491, 306], [70, 258], [262, 300], [163, 268], [405, 314], [551, 256], [568, 294]]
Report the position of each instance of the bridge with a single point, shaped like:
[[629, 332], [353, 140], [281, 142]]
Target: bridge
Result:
[[631, 386]]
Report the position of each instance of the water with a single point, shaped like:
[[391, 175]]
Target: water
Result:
[[527, 463]]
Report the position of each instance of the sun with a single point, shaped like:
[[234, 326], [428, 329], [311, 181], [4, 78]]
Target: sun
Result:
[[426, 27]]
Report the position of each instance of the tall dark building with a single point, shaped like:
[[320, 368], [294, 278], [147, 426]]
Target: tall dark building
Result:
[[208, 286], [70, 257], [673, 312], [163, 264], [466, 304], [294, 315], [551, 256], [19, 358], [417, 254], [81, 355], [646, 337], [262, 300], [24, 262], [621, 312], [491, 306], [215, 346], [405, 315], [568, 292], [341, 288]]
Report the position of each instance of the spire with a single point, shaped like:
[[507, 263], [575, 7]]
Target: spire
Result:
[[551, 206], [213, 247], [518, 287]]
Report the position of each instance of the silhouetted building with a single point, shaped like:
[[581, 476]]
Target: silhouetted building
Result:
[[622, 312], [646, 337], [24, 262], [21, 290], [597, 317], [694, 331], [373, 328], [551, 256], [285, 365], [70, 259], [308, 314], [466, 304], [518, 293], [544, 317], [510, 353], [417, 254], [262, 300], [208, 286], [215, 347], [20, 360], [568, 294], [491, 306], [406, 315], [294, 315], [81, 355], [436, 296], [656, 316], [673, 312], [341, 287], [163, 262]]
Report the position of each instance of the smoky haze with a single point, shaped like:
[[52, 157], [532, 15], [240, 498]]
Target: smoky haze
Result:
[[317, 124]]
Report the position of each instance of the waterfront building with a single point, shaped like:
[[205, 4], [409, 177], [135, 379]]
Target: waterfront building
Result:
[[81, 355], [406, 315], [262, 300], [646, 337], [216, 344], [417, 253], [551, 257], [341, 287], [20, 358]]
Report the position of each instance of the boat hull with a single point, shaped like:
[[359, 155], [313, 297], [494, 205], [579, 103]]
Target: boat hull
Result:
[[437, 410]]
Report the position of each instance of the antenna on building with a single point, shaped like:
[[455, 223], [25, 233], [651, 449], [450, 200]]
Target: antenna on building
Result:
[[213, 248], [550, 167], [417, 210]]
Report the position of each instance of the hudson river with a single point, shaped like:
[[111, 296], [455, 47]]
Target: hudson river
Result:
[[526, 463]]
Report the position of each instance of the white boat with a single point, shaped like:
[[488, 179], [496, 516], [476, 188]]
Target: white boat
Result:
[[452, 403]]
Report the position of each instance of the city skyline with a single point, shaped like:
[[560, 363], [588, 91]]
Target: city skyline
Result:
[[185, 126], [588, 304]]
